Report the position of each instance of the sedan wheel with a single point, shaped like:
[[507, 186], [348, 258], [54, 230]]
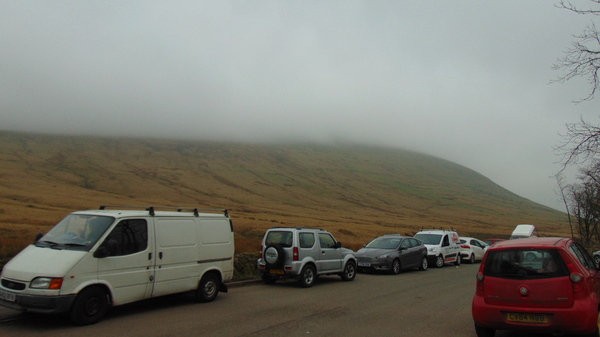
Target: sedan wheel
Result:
[[424, 264], [395, 267], [472, 259]]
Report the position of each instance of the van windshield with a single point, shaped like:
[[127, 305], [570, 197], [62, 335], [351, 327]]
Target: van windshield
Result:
[[76, 232], [429, 239]]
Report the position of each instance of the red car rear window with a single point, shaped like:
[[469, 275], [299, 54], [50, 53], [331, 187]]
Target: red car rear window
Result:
[[525, 264]]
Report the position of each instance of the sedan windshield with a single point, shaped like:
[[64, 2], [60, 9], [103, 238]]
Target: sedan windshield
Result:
[[384, 243], [76, 232]]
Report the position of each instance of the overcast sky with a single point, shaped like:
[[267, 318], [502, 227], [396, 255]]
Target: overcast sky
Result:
[[468, 81]]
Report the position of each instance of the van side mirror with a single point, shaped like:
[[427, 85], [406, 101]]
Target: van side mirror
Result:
[[38, 236]]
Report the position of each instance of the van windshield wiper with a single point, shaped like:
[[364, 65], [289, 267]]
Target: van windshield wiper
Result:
[[45, 243]]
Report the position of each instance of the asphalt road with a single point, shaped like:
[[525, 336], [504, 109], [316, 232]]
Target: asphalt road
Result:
[[436, 302]]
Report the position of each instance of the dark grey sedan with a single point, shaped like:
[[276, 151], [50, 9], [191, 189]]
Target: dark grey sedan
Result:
[[392, 253]]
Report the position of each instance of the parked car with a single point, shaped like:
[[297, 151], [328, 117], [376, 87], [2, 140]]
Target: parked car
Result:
[[392, 253], [490, 242], [472, 249], [537, 285], [304, 254], [443, 246]]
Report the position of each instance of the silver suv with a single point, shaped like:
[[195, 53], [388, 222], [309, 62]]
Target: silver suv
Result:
[[304, 254]]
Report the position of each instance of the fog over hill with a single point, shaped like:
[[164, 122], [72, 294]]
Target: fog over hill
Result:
[[356, 191]]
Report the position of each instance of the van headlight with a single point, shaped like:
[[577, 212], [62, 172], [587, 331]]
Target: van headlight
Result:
[[46, 283], [433, 249]]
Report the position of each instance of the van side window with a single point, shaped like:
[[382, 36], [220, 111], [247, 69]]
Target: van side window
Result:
[[326, 241], [446, 241], [128, 237]]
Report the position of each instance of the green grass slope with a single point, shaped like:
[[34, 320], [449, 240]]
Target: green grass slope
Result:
[[356, 192]]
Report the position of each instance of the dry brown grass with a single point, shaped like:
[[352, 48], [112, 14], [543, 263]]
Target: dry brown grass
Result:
[[356, 193]]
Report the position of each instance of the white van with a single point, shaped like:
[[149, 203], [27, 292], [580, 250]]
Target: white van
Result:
[[522, 231], [443, 246], [98, 258]]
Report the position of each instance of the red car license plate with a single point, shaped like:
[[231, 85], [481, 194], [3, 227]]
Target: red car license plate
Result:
[[526, 317]]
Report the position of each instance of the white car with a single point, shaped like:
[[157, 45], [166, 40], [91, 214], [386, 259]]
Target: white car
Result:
[[472, 249]]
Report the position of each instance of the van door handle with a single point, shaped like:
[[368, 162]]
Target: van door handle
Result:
[[149, 256], [160, 255]]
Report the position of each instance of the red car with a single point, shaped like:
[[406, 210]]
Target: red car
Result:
[[545, 285]]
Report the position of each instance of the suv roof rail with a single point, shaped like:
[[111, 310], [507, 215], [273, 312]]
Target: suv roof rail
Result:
[[151, 209]]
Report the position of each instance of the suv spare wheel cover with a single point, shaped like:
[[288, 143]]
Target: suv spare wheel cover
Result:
[[271, 255]]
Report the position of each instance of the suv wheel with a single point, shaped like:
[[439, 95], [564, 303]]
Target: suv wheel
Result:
[[424, 263], [274, 256], [395, 269], [349, 272], [439, 261], [307, 276]]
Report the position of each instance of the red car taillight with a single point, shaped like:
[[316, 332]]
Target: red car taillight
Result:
[[295, 253], [480, 278]]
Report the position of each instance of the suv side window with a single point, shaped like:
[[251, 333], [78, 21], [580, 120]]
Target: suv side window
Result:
[[128, 237], [326, 240], [307, 240]]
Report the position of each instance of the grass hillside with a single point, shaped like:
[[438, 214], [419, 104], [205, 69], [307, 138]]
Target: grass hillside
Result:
[[356, 192]]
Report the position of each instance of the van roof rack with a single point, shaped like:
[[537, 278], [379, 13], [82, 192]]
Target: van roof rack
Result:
[[151, 209], [437, 229]]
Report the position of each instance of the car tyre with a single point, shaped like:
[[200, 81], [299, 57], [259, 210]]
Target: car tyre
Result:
[[90, 306], [457, 262], [472, 259], [269, 279], [308, 276], [395, 267], [349, 272], [208, 288], [439, 261], [484, 332], [424, 263]]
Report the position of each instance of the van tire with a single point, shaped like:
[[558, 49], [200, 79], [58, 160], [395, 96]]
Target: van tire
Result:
[[208, 288], [89, 306], [280, 258], [308, 276], [349, 272], [439, 261]]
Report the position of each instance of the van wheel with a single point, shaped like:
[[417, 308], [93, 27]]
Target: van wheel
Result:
[[439, 261], [90, 306], [395, 269], [424, 263], [457, 262], [472, 259], [349, 272], [307, 276], [484, 332], [208, 289]]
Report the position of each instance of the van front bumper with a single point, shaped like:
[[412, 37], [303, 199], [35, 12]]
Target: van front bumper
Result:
[[39, 303]]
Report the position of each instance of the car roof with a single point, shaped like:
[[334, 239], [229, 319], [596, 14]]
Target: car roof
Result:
[[534, 242]]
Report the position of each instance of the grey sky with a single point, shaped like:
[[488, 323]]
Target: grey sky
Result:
[[467, 81]]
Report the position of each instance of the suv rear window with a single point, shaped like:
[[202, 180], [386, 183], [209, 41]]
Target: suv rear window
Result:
[[525, 264], [281, 238]]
